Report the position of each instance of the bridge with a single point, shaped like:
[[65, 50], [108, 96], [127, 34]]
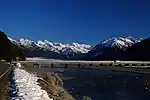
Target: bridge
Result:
[[133, 66], [89, 63]]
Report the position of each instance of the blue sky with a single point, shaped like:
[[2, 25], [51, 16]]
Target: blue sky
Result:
[[83, 21]]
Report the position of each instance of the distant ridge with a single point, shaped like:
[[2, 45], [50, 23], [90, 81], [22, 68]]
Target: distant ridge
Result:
[[116, 48], [45, 46]]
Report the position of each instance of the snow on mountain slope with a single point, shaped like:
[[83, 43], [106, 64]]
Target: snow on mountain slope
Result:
[[68, 50], [107, 49], [64, 49], [13, 41], [119, 42]]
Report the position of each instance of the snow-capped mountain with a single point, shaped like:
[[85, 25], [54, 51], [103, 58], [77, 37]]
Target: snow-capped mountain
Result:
[[63, 49], [111, 48], [119, 42], [106, 49]]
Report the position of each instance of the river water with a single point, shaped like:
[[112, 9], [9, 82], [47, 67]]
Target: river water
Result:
[[102, 84]]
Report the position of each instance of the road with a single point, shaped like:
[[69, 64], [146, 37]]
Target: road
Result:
[[5, 75], [4, 68]]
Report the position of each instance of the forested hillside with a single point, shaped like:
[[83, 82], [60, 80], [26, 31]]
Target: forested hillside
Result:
[[8, 50]]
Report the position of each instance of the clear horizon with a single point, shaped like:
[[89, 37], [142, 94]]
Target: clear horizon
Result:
[[86, 21]]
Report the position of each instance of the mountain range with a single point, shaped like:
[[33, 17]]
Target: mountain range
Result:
[[48, 49], [115, 48]]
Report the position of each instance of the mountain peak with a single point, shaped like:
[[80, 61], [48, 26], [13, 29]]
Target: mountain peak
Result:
[[120, 42], [111, 48]]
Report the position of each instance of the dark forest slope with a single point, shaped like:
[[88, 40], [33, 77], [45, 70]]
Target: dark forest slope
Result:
[[8, 50]]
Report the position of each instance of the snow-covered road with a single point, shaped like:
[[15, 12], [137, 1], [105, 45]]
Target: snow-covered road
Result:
[[24, 86]]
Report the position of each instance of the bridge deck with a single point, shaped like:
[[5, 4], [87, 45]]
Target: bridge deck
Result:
[[93, 63]]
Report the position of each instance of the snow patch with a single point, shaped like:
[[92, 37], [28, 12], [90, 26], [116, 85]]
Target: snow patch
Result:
[[26, 87], [18, 65]]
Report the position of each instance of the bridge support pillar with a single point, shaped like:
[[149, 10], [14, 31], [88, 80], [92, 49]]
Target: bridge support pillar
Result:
[[66, 65], [79, 65], [90, 64], [52, 65]]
